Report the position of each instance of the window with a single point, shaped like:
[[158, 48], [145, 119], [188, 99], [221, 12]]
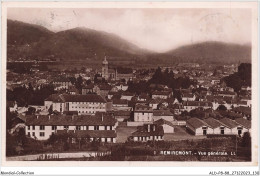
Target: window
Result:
[[78, 127], [54, 127], [33, 133], [66, 127], [42, 127], [29, 134], [86, 127], [96, 127], [33, 127], [42, 134], [105, 127], [29, 127]]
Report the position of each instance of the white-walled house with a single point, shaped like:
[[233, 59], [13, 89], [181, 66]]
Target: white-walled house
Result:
[[217, 126], [154, 103], [83, 104], [190, 105], [163, 114], [168, 127], [236, 128], [161, 94], [127, 96], [143, 113], [42, 127], [148, 132], [188, 97], [246, 124]]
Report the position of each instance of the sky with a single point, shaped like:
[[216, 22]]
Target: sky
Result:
[[154, 29]]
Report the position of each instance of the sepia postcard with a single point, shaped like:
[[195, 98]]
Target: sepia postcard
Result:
[[129, 84]]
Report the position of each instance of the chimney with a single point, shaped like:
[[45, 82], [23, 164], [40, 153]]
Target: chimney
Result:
[[153, 127], [49, 117], [37, 116], [102, 118], [148, 128], [72, 117]]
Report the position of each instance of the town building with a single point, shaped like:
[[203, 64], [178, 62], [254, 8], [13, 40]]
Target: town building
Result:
[[61, 83], [42, 127], [161, 94], [198, 127], [83, 104], [143, 113], [148, 132]]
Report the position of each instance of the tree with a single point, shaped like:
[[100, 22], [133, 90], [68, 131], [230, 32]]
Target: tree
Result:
[[246, 140], [222, 107], [50, 110], [31, 110], [240, 78], [78, 83]]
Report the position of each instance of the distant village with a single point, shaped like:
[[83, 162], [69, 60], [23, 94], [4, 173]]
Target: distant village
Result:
[[116, 105]]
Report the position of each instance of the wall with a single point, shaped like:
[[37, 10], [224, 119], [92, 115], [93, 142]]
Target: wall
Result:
[[168, 129], [143, 117], [168, 118]]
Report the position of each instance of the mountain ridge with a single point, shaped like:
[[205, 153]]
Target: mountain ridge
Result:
[[33, 41]]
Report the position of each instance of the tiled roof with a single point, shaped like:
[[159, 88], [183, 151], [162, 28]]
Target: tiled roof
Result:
[[228, 122], [143, 131], [161, 93], [83, 98], [162, 122], [90, 86], [120, 101], [142, 108], [105, 87], [245, 123], [61, 79], [162, 113], [197, 103], [61, 120], [213, 122], [127, 94], [227, 93], [197, 123], [90, 133], [244, 110], [155, 101], [54, 98], [187, 95], [122, 113]]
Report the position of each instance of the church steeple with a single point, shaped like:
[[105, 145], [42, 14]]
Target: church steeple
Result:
[[105, 61], [105, 68]]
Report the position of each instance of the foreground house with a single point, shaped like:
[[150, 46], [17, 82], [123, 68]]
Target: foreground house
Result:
[[198, 127], [235, 128], [168, 127], [217, 126], [148, 132], [223, 126], [88, 135], [42, 127]]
